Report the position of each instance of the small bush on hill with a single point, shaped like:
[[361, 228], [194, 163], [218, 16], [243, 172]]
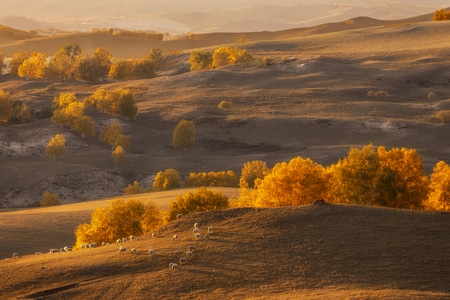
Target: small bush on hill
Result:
[[444, 116], [49, 199], [222, 179], [166, 180], [225, 105], [133, 189], [378, 94], [201, 200]]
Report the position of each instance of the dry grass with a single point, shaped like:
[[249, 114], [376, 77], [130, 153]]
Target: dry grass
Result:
[[311, 102]]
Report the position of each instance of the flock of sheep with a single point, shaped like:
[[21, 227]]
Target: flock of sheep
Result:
[[122, 249]]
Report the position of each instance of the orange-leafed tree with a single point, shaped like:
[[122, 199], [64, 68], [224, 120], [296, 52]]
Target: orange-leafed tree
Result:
[[56, 146], [439, 193]]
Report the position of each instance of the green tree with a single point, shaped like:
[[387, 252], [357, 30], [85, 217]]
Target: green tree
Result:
[[118, 156], [50, 199], [56, 146], [6, 106], [299, 182], [85, 126], [184, 135], [200, 60], [439, 193], [200, 200], [127, 104], [166, 180]]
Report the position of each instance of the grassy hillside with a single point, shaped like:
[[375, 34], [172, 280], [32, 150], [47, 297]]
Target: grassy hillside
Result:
[[309, 252]]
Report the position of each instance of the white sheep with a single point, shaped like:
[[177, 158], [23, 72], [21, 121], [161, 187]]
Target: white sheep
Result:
[[67, 249], [179, 216], [210, 229], [196, 230], [153, 234], [93, 245], [207, 236], [133, 251], [183, 260], [15, 255], [133, 237], [38, 253], [54, 251], [122, 249], [195, 225], [124, 240], [198, 236], [118, 241], [174, 237], [189, 254], [174, 266], [151, 252], [192, 248]]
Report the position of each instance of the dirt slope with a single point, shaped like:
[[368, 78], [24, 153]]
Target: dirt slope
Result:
[[313, 252]]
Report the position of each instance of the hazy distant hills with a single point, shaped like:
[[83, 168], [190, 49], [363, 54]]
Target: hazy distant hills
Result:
[[181, 16]]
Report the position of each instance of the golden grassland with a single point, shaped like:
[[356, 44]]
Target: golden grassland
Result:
[[312, 103]]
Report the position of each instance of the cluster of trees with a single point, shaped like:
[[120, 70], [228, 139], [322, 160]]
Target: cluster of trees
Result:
[[134, 217], [134, 33], [117, 102], [367, 176], [441, 15], [68, 62], [223, 179], [220, 57], [10, 109]]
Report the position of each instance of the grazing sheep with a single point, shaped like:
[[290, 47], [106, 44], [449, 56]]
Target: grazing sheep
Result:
[[16, 255], [93, 245], [119, 241], [54, 251], [38, 253], [153, 234], [124, 240], [210, 229], [192, 248], [175, 237], [174, 266], [195, 225], [196, 230], [207, 236], [122, 249], [133, 237], [133, 251], [67, 249], [189, 254], [179, 216], [151, 252], [183, 260], [198, 236]]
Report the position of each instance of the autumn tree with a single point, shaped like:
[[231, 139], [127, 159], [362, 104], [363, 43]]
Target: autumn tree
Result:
[[353, 178], [118, 156], [88, 68], [200, 200], [133, 189], [56, 146], [23, 113], [401, 182], [64, 61], [166, 180], [16, 61], [439, 193], [298, 182], [223, 179], [32, 67], [104, 57], [184, 135], [127, 104], [121, 70], [49, 199], [85, 126], [142, 69], [253, 171], [121, 219], [441, 15], [225, 55], [200, 60], [156, 56], [113, 136], [2, 57], [6, 106]]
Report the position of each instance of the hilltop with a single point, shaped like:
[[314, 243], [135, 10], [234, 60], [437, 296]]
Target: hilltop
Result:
[[317, 251]]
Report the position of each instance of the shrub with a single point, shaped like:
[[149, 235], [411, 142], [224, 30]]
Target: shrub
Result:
[[378, 94], [225, 105], [200, 60], [184, 135], [133, 189], [223, 179], [443, 115], [49, 199], [252, 172], [431, 95], [166, 180], [201, 200]]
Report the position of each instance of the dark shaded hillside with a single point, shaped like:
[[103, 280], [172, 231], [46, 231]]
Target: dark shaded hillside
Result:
[[315, 252]]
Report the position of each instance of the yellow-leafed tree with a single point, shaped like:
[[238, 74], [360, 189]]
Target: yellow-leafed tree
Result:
[[6, 106], [118, 156], [299, 182], [32, 67], [439, 194], [56, 146], [184, 135]]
